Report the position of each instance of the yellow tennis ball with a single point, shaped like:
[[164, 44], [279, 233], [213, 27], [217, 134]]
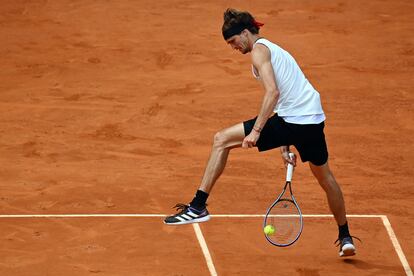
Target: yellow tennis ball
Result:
[[269, 229]]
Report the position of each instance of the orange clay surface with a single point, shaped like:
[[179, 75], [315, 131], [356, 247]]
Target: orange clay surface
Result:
[[111, 107]]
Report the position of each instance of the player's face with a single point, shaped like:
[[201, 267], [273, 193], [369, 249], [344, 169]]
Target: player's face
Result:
[[239, 42]]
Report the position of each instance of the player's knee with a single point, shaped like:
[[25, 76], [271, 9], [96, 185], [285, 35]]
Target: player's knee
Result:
[[220, 139]]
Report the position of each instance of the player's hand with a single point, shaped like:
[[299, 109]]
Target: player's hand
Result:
[[287, 160], [250, 140]]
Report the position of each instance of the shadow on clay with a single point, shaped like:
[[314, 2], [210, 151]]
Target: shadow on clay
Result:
[[365, 265]]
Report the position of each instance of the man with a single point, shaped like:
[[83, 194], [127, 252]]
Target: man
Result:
[[290, 114]]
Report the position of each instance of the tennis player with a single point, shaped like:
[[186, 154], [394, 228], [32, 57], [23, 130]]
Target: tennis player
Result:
[[291, 114]]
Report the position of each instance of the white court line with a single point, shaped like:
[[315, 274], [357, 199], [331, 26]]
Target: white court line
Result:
[[397, 246], [205, 250], [163, 215], [305, 216], [84, 216]]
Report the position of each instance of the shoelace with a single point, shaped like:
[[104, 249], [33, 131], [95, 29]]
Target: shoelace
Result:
[[338, 240], [181, 206]]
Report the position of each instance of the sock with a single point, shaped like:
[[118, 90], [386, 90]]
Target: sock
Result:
[[343, 230], [199, 201]]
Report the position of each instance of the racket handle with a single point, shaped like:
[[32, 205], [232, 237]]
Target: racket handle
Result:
[[289, 172]]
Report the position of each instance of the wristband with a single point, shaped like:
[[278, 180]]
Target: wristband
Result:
[[257, 129]]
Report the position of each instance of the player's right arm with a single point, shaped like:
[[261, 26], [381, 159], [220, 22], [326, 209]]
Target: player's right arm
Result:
[[261, 61]]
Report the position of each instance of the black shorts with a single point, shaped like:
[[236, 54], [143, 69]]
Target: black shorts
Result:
[[309, 140]]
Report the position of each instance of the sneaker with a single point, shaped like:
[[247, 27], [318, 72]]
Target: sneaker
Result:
[[346, 246], [187, 214]]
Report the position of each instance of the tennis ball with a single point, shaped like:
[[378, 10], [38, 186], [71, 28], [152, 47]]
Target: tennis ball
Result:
[[269, 229]]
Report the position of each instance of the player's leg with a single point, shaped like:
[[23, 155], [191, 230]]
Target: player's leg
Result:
[[224, 141], [196, 211], [312, 147], [333, 192], [336, 203], [273, 135]]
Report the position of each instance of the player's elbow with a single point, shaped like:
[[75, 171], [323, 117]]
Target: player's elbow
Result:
[[273, 93]]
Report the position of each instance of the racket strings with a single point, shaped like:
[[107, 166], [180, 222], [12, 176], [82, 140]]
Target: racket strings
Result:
[[285, 218]]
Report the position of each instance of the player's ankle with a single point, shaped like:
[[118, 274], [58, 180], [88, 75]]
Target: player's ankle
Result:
[[343, 230], [199, 200]]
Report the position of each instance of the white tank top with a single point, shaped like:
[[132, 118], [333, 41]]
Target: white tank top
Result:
[[299, 102]]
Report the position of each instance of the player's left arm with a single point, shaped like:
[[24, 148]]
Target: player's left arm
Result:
[[262, 62]]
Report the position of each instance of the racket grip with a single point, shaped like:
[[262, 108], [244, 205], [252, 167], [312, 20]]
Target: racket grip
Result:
[[289, 172]]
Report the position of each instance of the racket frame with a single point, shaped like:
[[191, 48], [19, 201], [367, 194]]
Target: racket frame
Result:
[[289, 175]]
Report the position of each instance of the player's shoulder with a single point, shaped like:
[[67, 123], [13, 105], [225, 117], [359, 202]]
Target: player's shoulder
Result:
[[260, 53], [260, 47]]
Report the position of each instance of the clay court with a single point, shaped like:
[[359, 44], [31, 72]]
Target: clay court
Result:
[[108, 112]]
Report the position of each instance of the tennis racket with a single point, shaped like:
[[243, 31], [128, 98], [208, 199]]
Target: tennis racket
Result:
[[283, 222]]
